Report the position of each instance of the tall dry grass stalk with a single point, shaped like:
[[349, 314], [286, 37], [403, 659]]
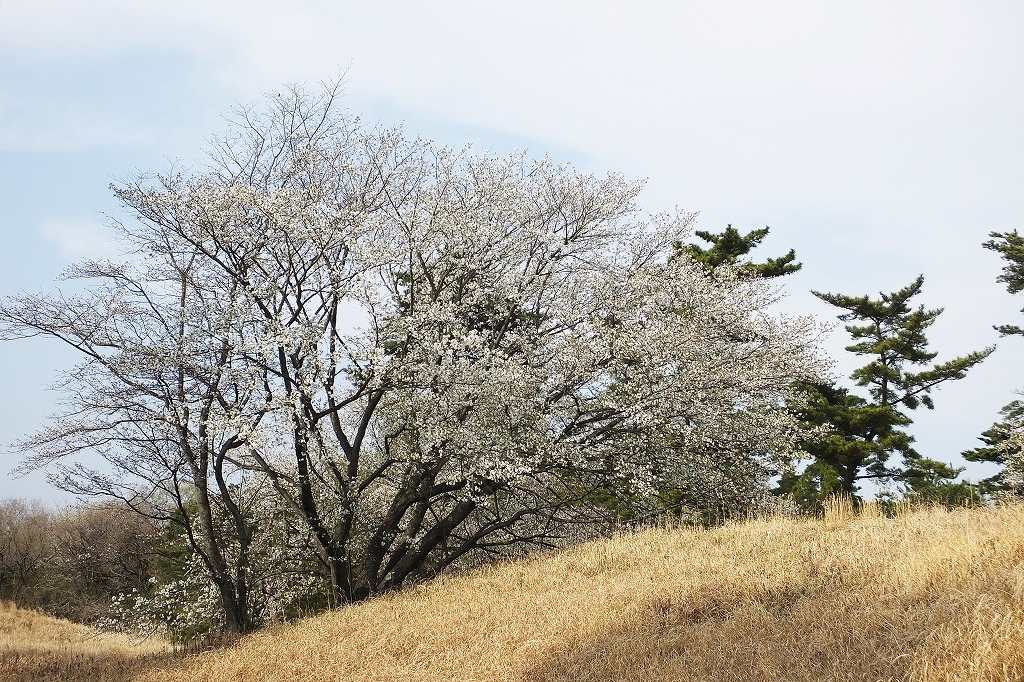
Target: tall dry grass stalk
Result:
[[838, 508], [869, 509], [930, 595], [34, 647]]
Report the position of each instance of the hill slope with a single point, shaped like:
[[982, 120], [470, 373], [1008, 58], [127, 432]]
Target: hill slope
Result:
[[932, 595], [36, 647]]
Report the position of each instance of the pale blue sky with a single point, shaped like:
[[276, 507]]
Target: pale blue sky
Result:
[[878, 139]]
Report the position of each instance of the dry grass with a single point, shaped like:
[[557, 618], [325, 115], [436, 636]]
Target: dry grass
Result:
[[932, 595], [36, 647], [929, 595]]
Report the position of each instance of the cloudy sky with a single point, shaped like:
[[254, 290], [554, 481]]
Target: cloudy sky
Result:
[[879, 139]]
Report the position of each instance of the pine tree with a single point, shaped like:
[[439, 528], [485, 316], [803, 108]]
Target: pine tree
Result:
[[729, 247], [859, 440], [864, 434], [1004, 441], [1001, 446], [1010, 246]]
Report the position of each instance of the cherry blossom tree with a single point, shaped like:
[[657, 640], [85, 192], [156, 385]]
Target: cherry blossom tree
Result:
[[432, 356], [150, 396]]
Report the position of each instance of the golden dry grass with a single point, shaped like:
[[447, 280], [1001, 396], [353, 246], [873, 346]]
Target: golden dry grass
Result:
[[929, 595], [35, 647]]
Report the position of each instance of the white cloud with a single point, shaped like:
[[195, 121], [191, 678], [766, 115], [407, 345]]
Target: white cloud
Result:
[[732, 82]]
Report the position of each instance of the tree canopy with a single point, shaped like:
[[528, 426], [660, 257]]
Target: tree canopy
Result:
[[404, 357], [1004, 440], [862, 434], [729, 248], [1010, 245]]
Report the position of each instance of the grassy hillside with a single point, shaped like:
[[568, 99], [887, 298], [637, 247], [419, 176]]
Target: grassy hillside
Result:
[[931, 595], [34, 647]]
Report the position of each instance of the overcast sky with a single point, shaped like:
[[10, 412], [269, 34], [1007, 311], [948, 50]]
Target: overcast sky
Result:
[[879, 139]]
